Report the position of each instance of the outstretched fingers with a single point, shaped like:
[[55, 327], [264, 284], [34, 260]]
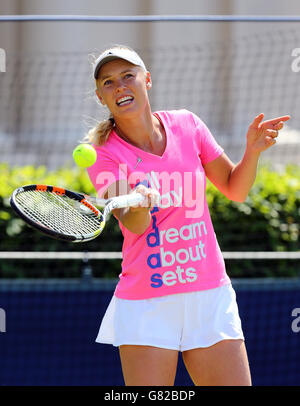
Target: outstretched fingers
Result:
[[275, 123], [257, 121]]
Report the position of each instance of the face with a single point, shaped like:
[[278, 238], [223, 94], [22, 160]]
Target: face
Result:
[[122, 87]]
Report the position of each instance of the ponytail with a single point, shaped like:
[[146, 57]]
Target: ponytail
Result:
[[100, 133]]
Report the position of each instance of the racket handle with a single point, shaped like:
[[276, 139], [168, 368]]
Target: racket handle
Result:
[[127, 200]]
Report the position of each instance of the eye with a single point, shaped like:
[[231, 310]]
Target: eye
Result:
[[107, 82], [128, 75]]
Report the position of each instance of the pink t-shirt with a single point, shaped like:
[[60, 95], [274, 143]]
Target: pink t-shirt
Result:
[[179, 251]]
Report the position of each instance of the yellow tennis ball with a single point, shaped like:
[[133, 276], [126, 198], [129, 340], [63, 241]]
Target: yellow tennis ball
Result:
[[84, 155]]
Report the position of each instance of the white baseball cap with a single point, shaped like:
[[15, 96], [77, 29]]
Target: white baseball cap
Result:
[[117, 53]]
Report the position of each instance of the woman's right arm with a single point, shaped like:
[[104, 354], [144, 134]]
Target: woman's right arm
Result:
[[138, 218]]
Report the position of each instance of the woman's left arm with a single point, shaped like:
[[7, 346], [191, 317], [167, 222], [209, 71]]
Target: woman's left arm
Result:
[[235, 181]]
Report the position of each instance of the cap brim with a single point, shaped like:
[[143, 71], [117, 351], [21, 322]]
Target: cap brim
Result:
[[135, 60], [103, 61]]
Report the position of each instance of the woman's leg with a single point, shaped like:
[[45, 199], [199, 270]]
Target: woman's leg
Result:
[[222, 364], [148, 366]]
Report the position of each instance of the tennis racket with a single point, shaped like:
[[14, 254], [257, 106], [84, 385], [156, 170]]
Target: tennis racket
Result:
[[66, 215]]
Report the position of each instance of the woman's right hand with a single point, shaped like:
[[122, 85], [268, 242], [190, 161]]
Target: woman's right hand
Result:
[[150, 201], [137, 218]]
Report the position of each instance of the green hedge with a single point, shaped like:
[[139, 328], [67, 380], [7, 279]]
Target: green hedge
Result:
[[267, 221]]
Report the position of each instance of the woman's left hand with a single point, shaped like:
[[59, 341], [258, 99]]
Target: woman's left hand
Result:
[[262, 135]]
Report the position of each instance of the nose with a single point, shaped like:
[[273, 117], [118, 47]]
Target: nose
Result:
[[120, 85]]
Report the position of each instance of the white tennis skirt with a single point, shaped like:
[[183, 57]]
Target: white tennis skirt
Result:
[[180, 322]]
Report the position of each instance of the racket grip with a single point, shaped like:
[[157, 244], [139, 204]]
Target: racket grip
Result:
[[128, 200]]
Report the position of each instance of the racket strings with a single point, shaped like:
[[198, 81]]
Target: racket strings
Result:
[[58, 213]]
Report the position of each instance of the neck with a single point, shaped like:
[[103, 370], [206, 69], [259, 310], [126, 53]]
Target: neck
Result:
[[140, 132]]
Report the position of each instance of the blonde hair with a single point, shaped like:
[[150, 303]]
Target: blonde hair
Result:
[[99, 134]]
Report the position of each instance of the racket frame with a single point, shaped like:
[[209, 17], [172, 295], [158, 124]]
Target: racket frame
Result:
[[60, 192], [108, 204]]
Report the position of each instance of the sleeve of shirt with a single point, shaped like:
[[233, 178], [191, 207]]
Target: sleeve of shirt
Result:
[[105, 171], [207, 146]]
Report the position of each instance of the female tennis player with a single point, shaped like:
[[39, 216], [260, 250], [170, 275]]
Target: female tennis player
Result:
[[173, 293]]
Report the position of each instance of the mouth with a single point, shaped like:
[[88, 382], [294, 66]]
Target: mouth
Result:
[[124, 101]]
